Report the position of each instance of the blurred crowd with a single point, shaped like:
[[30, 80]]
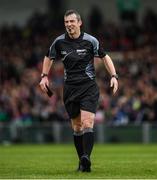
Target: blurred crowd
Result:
[[133, 47]]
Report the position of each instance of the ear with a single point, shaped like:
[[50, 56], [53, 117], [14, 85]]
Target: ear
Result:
[[80, 22]]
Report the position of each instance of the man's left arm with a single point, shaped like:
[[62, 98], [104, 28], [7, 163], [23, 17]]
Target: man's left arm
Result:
[[112, 71]]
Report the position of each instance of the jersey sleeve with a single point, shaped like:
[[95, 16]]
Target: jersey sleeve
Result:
[[52, 53], [98, 49]]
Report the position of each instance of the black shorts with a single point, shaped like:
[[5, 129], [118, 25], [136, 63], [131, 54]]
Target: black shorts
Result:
[[83, 96]]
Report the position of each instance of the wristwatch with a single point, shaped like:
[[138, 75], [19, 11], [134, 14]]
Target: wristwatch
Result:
[[43, 75], [115, 76]]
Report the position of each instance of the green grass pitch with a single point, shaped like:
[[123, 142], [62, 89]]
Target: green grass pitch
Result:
[[60, 162]]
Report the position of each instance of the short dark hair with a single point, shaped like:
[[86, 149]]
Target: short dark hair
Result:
[[72, 11]]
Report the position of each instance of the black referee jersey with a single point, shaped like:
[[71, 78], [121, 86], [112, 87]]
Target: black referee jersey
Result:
[[77, 56]]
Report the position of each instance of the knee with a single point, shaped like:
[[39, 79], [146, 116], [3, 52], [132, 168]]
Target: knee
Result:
[[87, 119], [77, 127], [88, 123]]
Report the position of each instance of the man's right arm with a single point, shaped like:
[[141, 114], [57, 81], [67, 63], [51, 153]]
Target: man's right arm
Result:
[[47, 63]]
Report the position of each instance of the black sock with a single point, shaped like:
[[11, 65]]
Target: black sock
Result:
[[78, 141], [88, 141]]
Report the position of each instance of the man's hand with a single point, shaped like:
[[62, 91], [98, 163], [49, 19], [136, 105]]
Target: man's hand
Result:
[[114, 84], [43, 83]]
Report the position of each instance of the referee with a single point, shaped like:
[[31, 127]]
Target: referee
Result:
[[77, 50]]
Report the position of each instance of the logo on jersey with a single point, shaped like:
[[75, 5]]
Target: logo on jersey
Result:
[[63, 53], [81, 51]]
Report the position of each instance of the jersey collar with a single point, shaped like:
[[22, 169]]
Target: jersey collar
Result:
[[77, 39]]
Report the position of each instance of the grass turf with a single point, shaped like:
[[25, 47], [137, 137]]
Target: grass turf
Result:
[[60, 161]]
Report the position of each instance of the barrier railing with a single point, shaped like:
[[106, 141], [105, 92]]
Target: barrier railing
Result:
[[57, 132]]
